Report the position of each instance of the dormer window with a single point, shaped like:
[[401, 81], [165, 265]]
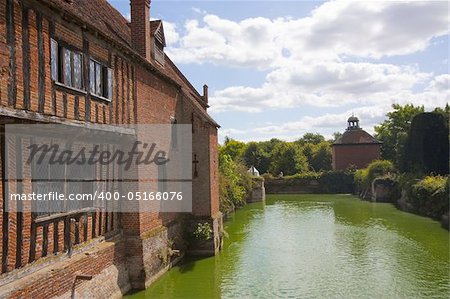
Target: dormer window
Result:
[[159, 52], [158, 41]]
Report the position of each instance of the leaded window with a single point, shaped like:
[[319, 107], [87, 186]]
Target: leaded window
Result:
[[100, 79], [54, 59], [66, 66]]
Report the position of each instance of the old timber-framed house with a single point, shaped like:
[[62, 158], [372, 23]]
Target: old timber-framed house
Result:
[[81, 63]]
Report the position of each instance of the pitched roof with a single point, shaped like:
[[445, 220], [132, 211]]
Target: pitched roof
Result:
[[188, 90], [356, 136], [155, 27], [100, 16]]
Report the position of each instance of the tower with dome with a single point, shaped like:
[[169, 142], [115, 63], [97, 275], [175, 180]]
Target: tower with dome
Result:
[[355, 148]]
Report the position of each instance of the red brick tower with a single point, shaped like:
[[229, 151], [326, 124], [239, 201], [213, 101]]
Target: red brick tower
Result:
[[355, 147]]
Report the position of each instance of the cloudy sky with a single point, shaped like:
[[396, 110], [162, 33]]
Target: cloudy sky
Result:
[[281, 69]]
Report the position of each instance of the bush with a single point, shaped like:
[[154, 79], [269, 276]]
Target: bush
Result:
[[427, 145], [337, 182], [360, 178], [430, 196], [268, 176], [378, 168], [303, 178], [323, 182], [203, 231], [235, 183]]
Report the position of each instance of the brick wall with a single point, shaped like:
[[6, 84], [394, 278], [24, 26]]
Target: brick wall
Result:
[[58, 279], [138, 96], [25, 45], [359, 155]]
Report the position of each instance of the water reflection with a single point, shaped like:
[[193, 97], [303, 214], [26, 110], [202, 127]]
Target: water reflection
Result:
[[303, 246]]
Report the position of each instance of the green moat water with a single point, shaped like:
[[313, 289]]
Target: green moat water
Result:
[[318, 246]]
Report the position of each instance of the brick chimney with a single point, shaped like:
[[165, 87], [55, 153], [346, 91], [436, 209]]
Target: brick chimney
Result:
[[140, 27], [205, 93]]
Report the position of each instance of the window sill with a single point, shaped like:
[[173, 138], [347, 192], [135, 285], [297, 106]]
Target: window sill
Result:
[[70, 88], [97, 97]]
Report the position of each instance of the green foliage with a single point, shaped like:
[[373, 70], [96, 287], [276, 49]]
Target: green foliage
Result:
[[430, 196], [322, 182], [427, 145], [361, 179], [444, 111], [203, 232], [378, 168], [393, 131], [312, 138], [287, 157], [256, 154], [311, 152], [234, 183], [307, 175], [321, 157], [233, 148], [336, 136], [337, 182]]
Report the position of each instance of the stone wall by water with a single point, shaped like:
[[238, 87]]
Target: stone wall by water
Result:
[[258, 192], [385, 189]]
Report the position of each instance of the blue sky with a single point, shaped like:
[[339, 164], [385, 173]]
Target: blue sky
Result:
[[281, 69]]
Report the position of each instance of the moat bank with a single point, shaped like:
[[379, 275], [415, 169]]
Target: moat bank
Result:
[[318, 246]]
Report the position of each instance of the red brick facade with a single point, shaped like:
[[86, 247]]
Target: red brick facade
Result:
[[120, 249], [359, 155], [355, 148]]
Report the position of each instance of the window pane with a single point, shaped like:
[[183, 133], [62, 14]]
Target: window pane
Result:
[[54, 58], [81, 178], [98, 79], [77, 71], [67, 68], [57, 175], [92, 75], [109, 95]]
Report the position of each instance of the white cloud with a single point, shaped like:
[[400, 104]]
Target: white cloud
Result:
[[333, 30], [307, 59], [323, 84], [327, 59], [440, 84], [325, 124], [170, 33], [371, 29]]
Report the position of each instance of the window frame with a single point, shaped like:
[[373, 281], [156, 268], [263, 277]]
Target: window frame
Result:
[[65, 186], [106, 78], [58, 50]]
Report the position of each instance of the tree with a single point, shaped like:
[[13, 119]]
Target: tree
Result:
[[321, 159], [233, 148], [234, 183], [427, 145], [393, 131], [313, 138], [336, 136], [318, 155], [288, 158], [255, 154]]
